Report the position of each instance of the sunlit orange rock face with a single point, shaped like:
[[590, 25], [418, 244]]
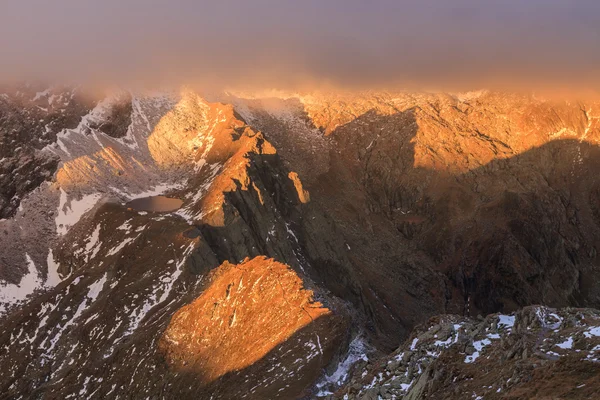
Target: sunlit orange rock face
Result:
[[97, 169], [303, 195], [182, 131], [188, 132], [255, 329]]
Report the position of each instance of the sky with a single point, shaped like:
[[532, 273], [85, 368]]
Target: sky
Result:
[[426, 43]]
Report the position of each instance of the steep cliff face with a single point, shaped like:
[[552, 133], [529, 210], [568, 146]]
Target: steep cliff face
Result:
[[488, 193], [348, 218]]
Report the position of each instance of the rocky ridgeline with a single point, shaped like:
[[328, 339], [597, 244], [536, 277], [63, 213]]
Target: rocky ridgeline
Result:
[[536, 352], [30, 119], [123, 274], [450, 203]]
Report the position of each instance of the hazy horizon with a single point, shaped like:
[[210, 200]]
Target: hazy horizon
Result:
[[462, 45]]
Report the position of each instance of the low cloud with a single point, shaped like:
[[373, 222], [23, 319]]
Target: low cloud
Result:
[[459, 44]]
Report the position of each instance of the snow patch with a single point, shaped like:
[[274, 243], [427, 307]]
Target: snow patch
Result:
[[507, 321], [594, 331], [53, 278], [567, 344], [70, 212], [96, 288], [13, 293], [413, 345], [121, 245], [93, 244], [39, 95], [356, 352], [479, 345], [156, 190]]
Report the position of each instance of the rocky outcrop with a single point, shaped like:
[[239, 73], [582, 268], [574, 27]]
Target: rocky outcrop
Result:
[[185, 131], [116, 118], [536, 353], [253, 317]]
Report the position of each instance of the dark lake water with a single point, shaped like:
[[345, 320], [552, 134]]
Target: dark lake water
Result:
[[155, 203]]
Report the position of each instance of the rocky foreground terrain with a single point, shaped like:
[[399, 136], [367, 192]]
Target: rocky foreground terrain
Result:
[[328, 245], [535, 353]]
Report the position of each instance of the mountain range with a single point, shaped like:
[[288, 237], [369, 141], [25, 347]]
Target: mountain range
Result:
[[276, 245]]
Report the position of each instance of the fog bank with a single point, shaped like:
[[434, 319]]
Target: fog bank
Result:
[[459, 44]]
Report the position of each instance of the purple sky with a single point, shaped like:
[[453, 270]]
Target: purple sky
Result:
[[283, 42]]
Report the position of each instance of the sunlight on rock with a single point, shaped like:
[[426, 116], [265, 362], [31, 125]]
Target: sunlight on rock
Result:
[[303, 195], [246, 312]]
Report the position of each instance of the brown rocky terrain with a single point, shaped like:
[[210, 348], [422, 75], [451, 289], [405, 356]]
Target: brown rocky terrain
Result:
[[538, 353], [356, 216], [490, 197], [126, 273], [31, 118], [253, 317]]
